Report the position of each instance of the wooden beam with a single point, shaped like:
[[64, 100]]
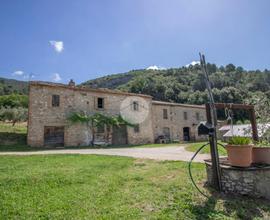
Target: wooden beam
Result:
[[252, 118], [233, 106], [251, 111]]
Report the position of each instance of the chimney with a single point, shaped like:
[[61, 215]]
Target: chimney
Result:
[[71, 83]]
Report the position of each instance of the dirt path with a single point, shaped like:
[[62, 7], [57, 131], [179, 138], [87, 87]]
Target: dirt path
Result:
[[159, 153]]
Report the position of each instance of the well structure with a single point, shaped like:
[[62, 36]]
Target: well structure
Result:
[[253, 181]]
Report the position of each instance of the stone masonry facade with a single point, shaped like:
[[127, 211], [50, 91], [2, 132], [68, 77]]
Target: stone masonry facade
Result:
[[252, 182], [50, 104], [178, 121]]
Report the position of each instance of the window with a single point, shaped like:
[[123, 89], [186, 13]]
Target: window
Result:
[[55, 100], [100, 129], [135, 106], [165, 114], [100, 103], [198, 116], [185, 116], [136, 128]]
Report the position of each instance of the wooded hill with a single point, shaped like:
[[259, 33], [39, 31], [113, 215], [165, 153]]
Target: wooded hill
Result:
[[9, 86], [186, 84]]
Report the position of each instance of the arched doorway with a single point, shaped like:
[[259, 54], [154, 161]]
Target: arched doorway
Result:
[[186, 134]]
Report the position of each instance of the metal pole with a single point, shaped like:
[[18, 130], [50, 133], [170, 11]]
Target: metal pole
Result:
[[212, 119]]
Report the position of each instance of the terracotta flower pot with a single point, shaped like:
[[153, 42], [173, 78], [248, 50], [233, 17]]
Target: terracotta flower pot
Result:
[[261, 155], [239, 155]]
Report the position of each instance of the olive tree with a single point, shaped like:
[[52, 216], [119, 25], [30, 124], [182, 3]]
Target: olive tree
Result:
[[13, 115]]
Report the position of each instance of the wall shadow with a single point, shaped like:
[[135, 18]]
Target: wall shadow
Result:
[[243, 207]]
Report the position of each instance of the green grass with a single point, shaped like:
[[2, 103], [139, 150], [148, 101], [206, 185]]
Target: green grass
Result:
[[19, 128], [12, 135], [193, 147], [105, 187]]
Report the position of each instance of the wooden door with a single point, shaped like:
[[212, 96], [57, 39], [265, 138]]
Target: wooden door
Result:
[[53, 136], [119, 135]]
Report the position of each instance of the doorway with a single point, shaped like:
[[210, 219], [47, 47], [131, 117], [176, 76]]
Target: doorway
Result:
[[119, 135], [186, 133], [53, 136]]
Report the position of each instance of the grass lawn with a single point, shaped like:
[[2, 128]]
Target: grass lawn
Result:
[[106, 187], [13, 137], [193, 147], [19, 128]]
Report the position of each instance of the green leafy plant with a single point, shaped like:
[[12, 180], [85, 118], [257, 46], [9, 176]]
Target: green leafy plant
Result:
[[96, 120], [237, 140], [263, 143]]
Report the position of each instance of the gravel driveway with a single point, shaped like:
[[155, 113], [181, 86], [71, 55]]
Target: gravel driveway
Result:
[[159, 153]]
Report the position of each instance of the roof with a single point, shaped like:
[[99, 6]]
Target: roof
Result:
[[243, 130], [104, 90], [225, 128], [177, 104], [77, 88]]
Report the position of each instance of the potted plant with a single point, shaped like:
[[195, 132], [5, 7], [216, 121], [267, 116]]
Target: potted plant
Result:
[[239, 150], [261, 102], [261, 153]]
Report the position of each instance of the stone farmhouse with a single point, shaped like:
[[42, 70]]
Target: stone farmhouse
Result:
[[51, 103]]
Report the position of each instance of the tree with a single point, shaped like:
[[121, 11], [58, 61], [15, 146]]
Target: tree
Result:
[[230, 68], [261, 104], [13, 114], [14, 100], [96, 120]]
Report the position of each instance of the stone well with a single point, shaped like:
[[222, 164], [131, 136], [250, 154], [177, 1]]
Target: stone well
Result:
[[253, 181]]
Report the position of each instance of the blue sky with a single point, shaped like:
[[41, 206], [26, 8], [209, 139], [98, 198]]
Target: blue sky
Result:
[[56, 40]]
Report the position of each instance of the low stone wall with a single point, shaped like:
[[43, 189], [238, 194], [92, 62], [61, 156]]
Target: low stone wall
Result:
[[253, 181]]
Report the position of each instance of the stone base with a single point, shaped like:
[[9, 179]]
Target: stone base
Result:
[[253, 181]]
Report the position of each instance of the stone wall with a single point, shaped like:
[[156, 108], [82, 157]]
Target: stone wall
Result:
[[74, 99], [253, 181], [176, 121], [41, 113]]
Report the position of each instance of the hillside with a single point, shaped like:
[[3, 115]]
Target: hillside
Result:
[[186, 84], [9, 86]]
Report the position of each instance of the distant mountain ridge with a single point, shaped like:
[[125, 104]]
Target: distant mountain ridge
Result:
[[9, 86]]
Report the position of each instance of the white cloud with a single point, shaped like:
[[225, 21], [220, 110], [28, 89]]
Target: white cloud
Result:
[[18, 73], [154, 67], [57, 45], [193, 63], [56, 77]]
